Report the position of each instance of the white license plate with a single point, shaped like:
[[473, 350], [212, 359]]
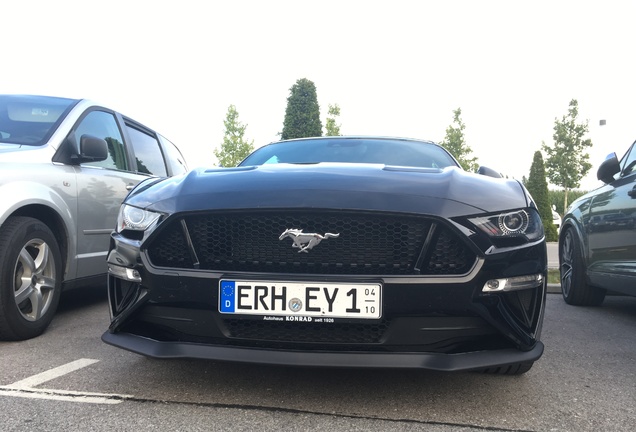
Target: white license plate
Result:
[[335, 300]]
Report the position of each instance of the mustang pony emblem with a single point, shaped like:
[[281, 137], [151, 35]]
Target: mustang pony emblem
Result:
[[305, 241]]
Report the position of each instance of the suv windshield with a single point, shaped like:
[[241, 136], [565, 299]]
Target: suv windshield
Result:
[[31, 120], [384, 151]]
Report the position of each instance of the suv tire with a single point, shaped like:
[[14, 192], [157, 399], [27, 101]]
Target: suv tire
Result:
[[574, 286], [30, 278]]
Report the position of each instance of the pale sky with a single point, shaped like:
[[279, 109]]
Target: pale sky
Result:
[[395, 68]]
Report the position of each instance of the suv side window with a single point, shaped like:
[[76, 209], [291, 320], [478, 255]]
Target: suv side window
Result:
[[628, 165], [104, 125], [174, 158], [147, 152]]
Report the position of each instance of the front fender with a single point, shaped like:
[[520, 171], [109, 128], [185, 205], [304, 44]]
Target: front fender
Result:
[[576, 219], [573, 224], [45, 195]]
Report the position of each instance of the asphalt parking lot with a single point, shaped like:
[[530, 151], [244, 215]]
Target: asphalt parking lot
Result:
[[68, 379]]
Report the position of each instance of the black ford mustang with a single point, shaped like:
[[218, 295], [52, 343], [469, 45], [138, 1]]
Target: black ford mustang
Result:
[[335, 251]]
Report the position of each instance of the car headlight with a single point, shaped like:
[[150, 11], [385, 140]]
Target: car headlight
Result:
[[135, 219], [516, 223]]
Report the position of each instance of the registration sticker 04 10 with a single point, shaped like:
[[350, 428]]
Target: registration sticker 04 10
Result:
[[316, 299]]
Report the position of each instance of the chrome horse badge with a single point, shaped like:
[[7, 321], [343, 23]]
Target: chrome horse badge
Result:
[[305, 241]]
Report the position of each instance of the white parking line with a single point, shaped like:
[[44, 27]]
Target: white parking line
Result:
[[26, 387], [57, 372]]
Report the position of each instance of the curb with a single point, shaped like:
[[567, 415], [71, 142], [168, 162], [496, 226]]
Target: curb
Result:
[[554, 288]]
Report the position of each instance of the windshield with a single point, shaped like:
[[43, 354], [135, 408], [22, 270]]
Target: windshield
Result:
[[31, 120], [384, 151]]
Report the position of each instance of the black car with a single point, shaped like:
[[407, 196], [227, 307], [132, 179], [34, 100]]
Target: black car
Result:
[[346, 251], [597, 245]]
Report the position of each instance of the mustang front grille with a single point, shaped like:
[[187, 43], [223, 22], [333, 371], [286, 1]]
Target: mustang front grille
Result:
[[353, 243]]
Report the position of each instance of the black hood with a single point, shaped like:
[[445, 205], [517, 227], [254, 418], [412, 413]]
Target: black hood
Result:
[[445, 192]]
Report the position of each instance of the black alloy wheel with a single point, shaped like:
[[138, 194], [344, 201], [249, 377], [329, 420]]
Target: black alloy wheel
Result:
[[574, 286]]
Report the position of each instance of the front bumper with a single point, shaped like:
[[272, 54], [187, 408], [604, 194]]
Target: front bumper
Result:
[[445, 323], [432, 361]]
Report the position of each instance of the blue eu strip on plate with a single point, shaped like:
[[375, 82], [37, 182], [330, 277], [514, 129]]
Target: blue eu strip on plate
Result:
[[227, 296]]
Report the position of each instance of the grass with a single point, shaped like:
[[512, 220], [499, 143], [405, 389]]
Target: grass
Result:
[[553, 276]]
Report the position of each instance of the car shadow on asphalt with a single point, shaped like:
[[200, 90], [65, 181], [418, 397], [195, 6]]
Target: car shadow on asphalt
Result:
[[82, 297], [620, 305]]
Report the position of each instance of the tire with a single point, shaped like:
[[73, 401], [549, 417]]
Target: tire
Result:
[[30, 278], [574, 287], [511, 369]]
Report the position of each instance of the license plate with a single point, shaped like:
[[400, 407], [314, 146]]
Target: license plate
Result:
[[334, 300]]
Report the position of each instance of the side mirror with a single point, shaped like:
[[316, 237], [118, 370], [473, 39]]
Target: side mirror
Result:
[[92, 149], [608, 169], [488, 172]]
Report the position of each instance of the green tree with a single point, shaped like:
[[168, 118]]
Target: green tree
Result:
[[557, 198], [537, 185], [455, 143], [302, 116], [567, 161], [234, 147], [332, 129]]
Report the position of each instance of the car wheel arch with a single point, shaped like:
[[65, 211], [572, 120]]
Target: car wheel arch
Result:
[[575, 283], [55, 222], [570, 225], [47, 202]]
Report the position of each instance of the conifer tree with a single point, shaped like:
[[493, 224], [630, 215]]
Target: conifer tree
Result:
[[302, 116], [537, 185]]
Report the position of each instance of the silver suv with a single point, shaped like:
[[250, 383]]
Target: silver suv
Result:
[[65, 167]]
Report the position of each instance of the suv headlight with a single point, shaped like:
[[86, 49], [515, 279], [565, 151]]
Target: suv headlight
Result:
[[515, 223], [135, 219]]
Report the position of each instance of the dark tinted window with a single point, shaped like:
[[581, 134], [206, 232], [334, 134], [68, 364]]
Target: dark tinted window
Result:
[[628, 164], [353, 150], [103, 125], [147, 152]]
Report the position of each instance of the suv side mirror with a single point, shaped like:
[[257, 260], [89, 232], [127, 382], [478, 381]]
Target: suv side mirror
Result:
[[488, 172], [92, 149], [608, 169]]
